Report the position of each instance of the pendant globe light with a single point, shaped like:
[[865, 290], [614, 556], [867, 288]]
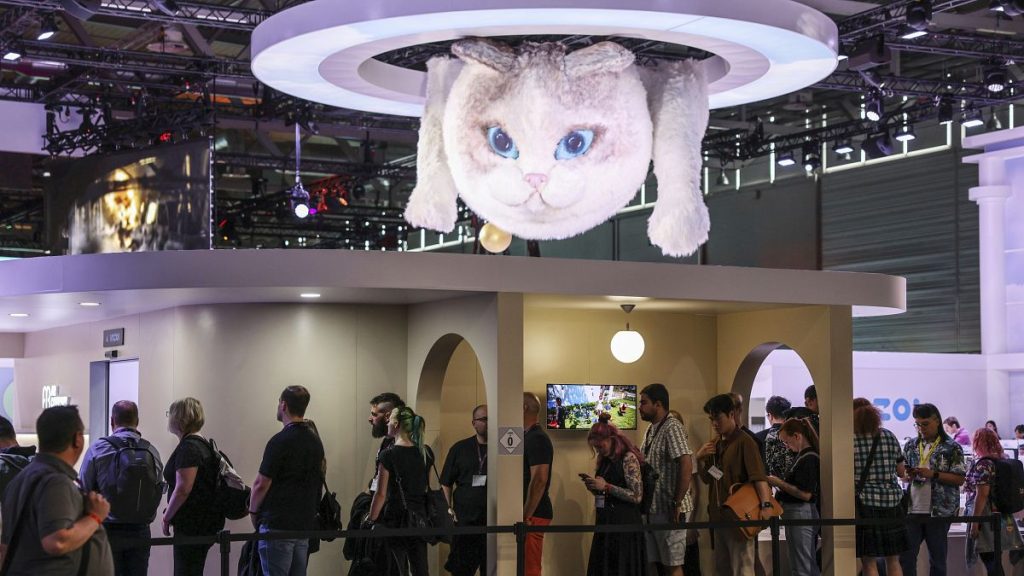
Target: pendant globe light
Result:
[[627, 345]]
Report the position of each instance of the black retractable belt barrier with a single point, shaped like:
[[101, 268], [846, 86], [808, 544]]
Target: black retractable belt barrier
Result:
[[224, 537]]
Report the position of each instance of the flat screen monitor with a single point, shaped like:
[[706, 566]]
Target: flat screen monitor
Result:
[[578, 406]]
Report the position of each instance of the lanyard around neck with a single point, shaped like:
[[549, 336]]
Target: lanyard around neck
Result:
[[926, 456]]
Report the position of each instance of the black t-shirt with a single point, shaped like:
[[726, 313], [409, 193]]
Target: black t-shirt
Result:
[[292, 461], [804, 475], [198, 515], [536, 452], [404, 464], [466, 459]]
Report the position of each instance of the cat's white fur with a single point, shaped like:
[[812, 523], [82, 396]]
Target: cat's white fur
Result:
[[537, 95]]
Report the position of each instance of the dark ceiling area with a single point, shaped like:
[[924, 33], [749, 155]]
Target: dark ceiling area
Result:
[[145, 72]]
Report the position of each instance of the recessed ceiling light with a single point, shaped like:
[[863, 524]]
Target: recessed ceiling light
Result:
[[89, 304], [310, 295], [18, 315]]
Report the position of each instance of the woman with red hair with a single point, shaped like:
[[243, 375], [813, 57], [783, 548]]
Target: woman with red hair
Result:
[[978, 489], [618, 489]]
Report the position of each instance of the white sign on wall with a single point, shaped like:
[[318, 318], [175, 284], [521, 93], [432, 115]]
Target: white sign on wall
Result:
[[52, 397]]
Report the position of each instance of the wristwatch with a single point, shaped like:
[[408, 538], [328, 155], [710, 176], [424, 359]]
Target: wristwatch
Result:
[[766, 505]]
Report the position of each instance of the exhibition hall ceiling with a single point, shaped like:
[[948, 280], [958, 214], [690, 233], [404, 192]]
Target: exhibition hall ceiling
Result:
[[132, 63]]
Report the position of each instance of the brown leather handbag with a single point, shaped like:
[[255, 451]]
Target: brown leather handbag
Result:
[[744, 504]]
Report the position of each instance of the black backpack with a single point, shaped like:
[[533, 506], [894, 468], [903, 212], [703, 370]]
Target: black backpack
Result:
[[10, 466], [230, 492], [136, 487], [649, 478], [1008, 485]]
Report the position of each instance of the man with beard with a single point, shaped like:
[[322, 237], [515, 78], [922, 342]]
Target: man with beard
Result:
[[667, 450], [465, 468], [286, 492], [381, 406]]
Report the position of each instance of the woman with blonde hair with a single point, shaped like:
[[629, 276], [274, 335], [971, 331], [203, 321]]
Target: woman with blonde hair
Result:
[[978, 490], [798, 494], [877, 460], [402, 488], [191, 474]]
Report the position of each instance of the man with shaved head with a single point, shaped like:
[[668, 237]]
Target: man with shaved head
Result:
[[465, 472], [538, 453]]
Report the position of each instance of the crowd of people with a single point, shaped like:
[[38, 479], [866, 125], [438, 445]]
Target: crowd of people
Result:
[[97, 521]]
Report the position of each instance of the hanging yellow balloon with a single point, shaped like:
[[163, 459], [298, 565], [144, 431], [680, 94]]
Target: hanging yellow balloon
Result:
[[494, 239]]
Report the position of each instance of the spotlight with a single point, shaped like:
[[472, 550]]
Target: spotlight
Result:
[[843, 147], [877, 145], [12, 54], [995, 78], [945, 111], [812, 159], [723, 180], [972, 118], [919, 16], [996, 6], [910, 33], [48, 28], [905, 133], [300, 200], [874, 108], [786, 159]]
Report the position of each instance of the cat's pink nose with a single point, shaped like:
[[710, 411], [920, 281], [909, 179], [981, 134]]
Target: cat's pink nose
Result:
[[535, 180]]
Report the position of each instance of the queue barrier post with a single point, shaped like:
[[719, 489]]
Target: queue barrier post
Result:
[[773, 525], [224, 539], [520, 532]]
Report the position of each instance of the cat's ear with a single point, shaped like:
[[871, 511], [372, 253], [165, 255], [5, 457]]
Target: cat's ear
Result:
[[496, 56], [601, 57]]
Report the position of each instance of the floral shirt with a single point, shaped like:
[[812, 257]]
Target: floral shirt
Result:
[[981, 474], [947, 456], [777, 458]]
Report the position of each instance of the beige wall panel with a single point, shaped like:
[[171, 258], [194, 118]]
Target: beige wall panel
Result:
[[572, 346], [236, 359], [823, 338], [12, 345]]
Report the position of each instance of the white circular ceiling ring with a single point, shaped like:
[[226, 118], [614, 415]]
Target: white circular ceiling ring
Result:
[[323, 50]]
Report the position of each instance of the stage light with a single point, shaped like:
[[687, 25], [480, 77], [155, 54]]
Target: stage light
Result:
[[627, 345], [919, 16], [877, 145], [812, 158], [786, 159], [996, 6], [12, 55], [843, 147], [874, 108], [48, 28], [905, 133], [972, 118], [995, 78], [300, 200], [945, 111]]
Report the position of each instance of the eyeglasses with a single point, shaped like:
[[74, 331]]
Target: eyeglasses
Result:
[[924, 424], [484, 419]]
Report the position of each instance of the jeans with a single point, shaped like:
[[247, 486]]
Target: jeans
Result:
[[801, 541], [283, 557], [130, 559], [935, 536]]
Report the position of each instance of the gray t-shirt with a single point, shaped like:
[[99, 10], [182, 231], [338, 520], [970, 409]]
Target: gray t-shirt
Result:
[[56, 504]]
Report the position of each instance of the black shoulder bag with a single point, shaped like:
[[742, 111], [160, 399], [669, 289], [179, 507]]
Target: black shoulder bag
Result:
[[864, 475]]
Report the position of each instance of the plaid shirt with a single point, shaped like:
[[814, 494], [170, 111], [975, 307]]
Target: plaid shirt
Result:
[[663, 444], [880, 489], [948, 456]]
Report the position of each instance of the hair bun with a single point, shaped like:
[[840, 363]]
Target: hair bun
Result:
[[604, 418]]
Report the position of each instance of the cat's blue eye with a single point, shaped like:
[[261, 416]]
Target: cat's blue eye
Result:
[[574, 144], [502, 143]]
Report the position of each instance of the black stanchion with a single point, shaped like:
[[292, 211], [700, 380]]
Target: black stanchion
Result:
[[773, 524], [520, 531], [224, 538], [997, 541]]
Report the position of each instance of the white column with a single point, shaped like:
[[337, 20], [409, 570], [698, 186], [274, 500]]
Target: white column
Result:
[[991, 199]]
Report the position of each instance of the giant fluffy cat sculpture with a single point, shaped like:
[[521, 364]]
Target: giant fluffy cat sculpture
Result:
[[547, 145]]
